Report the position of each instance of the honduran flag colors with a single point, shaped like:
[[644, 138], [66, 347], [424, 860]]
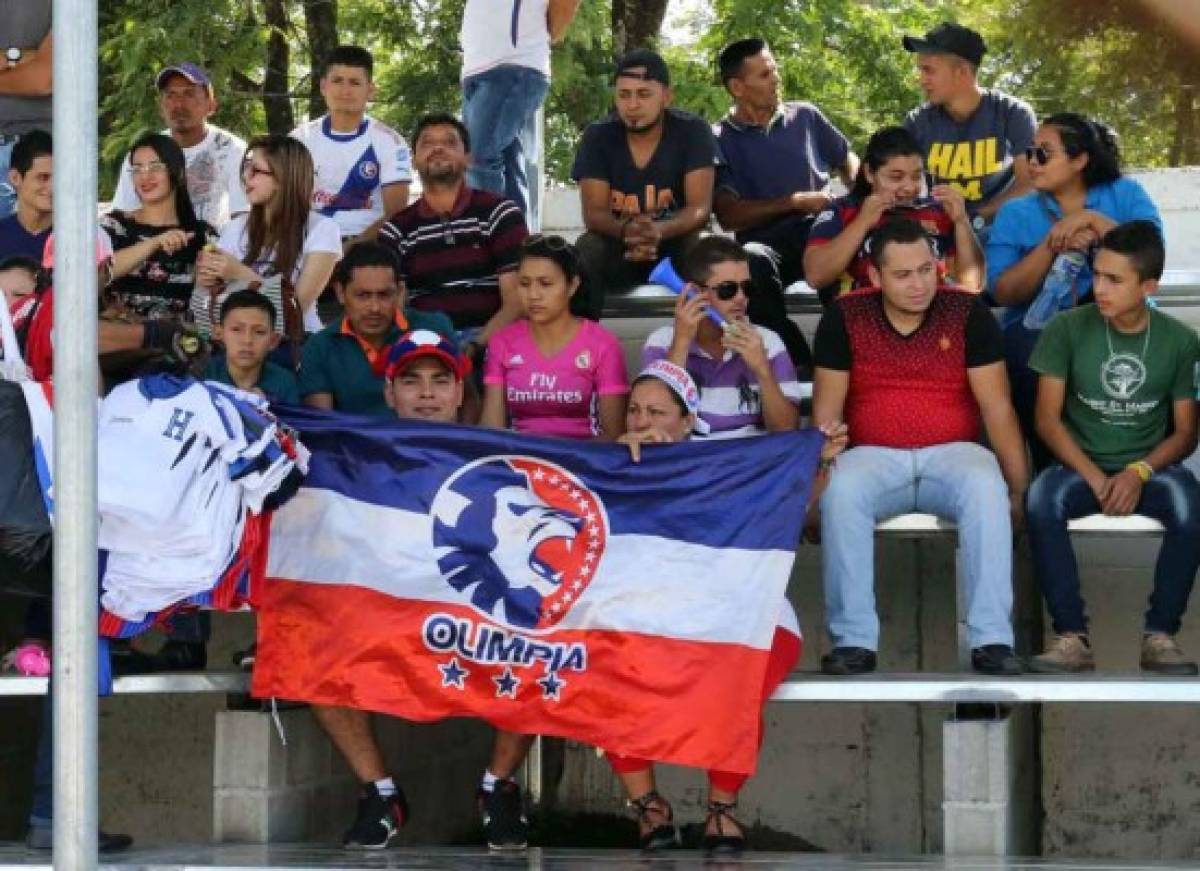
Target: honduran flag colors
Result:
[[544, 585]]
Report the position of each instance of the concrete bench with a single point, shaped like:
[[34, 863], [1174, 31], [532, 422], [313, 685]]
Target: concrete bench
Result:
[[143, 684]]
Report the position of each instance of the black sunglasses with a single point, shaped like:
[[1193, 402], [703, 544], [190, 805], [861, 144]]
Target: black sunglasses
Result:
[[727, 290], [545, 242], [1041, 155]]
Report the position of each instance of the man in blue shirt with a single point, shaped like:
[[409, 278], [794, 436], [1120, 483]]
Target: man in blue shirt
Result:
[[31, 175]]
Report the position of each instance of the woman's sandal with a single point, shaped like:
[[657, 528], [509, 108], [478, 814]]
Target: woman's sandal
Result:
[[663, 835], [721, 843]]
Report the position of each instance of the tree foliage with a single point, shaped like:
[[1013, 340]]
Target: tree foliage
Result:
[[1103, 58]]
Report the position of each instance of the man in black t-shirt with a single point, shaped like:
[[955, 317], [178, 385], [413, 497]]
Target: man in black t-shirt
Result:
[[645, 178]]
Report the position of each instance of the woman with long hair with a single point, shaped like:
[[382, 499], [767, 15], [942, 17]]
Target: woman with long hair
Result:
[[552, 372], [890, 183], [156, 245], [1041, 245], [280, 236]]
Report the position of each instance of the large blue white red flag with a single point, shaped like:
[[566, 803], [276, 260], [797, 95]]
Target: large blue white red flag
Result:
[[547, 586]]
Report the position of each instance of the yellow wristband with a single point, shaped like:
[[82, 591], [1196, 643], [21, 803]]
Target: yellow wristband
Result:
[[1142, 469]]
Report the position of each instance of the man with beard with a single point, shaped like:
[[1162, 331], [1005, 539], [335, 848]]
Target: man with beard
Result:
[[213, 155], [457, 246], [645, 178]]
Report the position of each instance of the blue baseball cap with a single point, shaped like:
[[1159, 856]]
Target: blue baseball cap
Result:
[[192, 72], [416, 344]]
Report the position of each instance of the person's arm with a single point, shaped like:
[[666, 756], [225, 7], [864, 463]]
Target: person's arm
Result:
[[128, 259], [1020, 282], [314, 277], [395, 198], [595, 199], [779, 413], [826, 260], [1022, 184], [495, 413], [989, 385], [32, 77], [697, 205], [970, 269], [848, 170], [736, 214], [323, 401], [1051, 396], [510, 307], [830, 387], [689, 311], [559, 14], [611, 416]]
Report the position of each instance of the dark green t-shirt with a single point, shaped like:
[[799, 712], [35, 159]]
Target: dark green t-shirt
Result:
[[1120, 387], [276, 383], [333, 362]]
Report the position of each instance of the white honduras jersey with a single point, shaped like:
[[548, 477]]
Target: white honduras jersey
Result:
[[496, 32], [353, 168]]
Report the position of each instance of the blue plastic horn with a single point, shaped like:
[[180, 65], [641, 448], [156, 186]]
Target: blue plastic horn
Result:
[[664, 275]]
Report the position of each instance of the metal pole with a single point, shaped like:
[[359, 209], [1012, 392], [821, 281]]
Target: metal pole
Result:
[[75, 383]]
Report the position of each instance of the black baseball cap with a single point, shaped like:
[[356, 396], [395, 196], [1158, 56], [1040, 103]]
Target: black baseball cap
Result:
[[949, 38], [650, 61]]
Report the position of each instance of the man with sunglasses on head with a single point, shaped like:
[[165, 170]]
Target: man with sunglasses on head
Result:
[[747, 382], [645, 177], [213, 155], [973, 138]]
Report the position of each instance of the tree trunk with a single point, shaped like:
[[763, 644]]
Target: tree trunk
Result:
[[636, 23], [276, 98], [320, 20]]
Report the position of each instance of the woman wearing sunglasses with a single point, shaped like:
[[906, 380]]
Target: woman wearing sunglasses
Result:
[[279, 236], [747, 382], [553, 373], [890, 182], [664, 406], [156, 245], [1040, 248]]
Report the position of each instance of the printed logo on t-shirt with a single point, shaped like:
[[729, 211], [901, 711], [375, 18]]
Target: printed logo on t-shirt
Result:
[[584, 360], [657, 202], [516, 360], [369, 170], [965, 164], [944, 343], [1122, 375]]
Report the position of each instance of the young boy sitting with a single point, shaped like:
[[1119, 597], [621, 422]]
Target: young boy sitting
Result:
[[18, 279], [247, 332], [1116, 406]]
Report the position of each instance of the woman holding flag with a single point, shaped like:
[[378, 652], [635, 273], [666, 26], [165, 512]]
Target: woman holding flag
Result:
[[663, 408]]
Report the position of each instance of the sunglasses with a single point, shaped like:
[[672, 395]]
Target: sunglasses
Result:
[[727, 290], [545, 242], [152, 168], [1040, 154]]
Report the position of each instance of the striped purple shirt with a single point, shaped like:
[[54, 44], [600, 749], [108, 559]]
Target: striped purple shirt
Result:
[[730, 396]]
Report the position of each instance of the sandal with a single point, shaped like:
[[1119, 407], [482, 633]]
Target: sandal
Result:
[[661, 836], [722, 843]]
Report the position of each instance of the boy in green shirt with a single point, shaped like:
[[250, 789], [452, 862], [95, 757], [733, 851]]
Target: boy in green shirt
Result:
[[247, 331], [1116, 406]]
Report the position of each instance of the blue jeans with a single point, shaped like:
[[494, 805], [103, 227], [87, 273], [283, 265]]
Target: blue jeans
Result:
[[959, 482], [1059, 494], [500, 110], [8, 196]]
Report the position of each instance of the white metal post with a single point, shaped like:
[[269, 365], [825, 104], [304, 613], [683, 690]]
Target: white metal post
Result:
[[75, 382]]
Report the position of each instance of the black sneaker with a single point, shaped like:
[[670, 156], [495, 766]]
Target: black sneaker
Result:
[[848, 660], [504, 824], [379, 820], [244, 659], [995, 659]]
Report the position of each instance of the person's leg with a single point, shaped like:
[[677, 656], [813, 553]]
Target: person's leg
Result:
[[788, 237], [655, 818], [8, 196], [768, 308], [1056, 496], [605, 271], [530, 92], [868, 485], [496, 109], [1172, 497], [961, 482], [505, 826], [382, 806]]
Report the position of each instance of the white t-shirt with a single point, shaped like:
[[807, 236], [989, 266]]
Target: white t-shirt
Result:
[[214, 178], [320, 235], [496, 32], [353, 168]]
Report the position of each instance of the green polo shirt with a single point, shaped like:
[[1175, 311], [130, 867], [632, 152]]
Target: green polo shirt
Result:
[[334, 362], [275, 382]]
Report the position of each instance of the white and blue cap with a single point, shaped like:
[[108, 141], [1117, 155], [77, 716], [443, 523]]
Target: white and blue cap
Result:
[[425, 343], [682, 385]]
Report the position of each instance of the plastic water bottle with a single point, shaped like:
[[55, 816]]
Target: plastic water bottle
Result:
[[1057, 289]]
